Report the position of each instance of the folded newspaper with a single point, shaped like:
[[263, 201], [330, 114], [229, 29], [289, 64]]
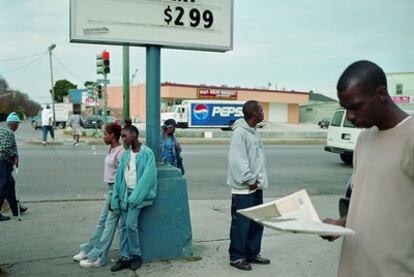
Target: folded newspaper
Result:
[[293, 213]]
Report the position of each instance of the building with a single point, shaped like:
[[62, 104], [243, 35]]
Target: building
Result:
[[401, 88], [279, 106], [319, 106]]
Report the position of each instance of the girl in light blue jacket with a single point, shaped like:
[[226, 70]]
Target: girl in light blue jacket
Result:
[[135, 188]]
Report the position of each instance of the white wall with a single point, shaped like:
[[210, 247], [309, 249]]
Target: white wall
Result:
[[278, 112]]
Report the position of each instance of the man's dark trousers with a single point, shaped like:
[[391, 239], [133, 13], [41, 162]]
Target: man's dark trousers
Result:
[[7, 186], [245, 234]]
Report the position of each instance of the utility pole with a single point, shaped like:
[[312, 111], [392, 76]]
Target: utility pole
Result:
[[126, 84], [51, 47]]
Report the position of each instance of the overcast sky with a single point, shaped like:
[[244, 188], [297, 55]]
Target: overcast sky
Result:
[[295, 45]]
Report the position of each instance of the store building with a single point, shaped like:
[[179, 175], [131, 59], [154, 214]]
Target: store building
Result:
[[279, 106]]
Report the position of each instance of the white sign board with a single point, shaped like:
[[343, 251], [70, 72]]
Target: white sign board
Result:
[[180, 24], [88, 101]]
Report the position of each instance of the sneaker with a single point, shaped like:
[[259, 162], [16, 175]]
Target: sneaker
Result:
[[121, 264], [241, 264], [258, 259], [76, 144], [4, 218], [136, 262], [88, 263], [79, 257], [44, 143]]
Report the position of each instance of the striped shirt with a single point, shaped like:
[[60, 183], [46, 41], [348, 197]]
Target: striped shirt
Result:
[[8, 146]]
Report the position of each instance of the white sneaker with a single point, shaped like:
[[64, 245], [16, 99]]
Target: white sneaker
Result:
[[79, 257], [89, 263], [74, 142], [44, 143]]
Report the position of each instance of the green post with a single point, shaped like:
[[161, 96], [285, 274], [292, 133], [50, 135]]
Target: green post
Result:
[[105, 101], [153, 88], [125, 52]]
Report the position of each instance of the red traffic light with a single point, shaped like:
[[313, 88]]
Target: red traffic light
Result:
[[105, 55]]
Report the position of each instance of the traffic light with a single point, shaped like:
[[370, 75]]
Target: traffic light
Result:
[[99, 89], [102, 63]]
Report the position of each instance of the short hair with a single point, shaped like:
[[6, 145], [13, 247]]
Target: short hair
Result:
[[362, 72], [249, 108], [115, 129], [130, 128]]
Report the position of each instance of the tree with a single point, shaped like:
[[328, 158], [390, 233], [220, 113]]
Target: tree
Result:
[[88, 83], [61, 89]]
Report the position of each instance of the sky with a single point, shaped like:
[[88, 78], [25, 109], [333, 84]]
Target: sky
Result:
[[298, 45]]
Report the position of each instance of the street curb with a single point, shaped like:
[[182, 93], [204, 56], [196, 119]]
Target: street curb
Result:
[[32, 141]]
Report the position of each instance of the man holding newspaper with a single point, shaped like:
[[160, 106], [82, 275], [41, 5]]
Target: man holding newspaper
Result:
[[247, 178], [382, 207]]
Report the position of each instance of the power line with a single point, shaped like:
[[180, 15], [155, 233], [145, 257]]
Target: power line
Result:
[[23, 57], [67, 69], [25, 65]]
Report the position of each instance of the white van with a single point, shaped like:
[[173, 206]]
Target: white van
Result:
[[342, 136]]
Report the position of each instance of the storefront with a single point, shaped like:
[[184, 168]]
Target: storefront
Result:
[[279, 106]]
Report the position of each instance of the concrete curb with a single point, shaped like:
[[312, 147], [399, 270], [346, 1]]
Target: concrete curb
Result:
[[33, 141]]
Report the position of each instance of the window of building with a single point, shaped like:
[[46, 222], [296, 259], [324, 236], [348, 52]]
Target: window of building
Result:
[[399, 89]]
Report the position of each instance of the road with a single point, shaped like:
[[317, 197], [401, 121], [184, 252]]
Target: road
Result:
[[66, 172]]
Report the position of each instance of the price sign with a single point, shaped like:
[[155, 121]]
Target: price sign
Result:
[[181, 24]]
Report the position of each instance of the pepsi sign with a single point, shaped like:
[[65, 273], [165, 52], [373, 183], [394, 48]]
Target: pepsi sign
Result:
[[211, 114]]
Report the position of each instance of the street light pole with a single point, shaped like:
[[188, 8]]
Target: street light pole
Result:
[[51, 47]]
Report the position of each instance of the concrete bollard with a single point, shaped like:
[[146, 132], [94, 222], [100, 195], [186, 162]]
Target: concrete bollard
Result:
[[165, 227]]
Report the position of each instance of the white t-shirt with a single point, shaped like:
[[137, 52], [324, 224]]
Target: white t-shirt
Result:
[[382, 207], [47, 117], [131, 171]]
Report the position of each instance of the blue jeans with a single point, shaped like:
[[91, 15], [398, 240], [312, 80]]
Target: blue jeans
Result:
[[129, 233], [7, 186], [46, 129], [100, 241], [245, 234]]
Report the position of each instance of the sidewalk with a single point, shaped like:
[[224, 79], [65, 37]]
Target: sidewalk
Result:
[[43, 244], [272, 133]]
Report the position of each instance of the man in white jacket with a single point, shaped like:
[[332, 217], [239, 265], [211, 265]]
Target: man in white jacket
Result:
[[247, 178]]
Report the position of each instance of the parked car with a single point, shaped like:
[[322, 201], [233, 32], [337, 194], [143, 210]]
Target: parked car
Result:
[[91, 121], [36, 122], [324, 123], [342, 136]]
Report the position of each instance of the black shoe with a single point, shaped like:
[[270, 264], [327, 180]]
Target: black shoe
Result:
[[241, 264], [136, 262], [120, 264], [22, 210], [259, 260], [4, 218]]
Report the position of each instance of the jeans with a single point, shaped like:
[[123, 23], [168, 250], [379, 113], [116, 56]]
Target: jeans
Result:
[[46, 129], [245, 234], [7, 186], [129, 233], [100, 241]]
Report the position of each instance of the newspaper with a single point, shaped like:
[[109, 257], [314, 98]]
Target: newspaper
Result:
[[294, 213]]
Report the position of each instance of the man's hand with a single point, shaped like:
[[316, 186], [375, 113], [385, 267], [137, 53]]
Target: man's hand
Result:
[[338, 222], [254, 186]]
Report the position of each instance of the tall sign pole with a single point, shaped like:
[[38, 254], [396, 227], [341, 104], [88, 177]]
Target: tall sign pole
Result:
[[153, 88], [126, 84], [51, 47]]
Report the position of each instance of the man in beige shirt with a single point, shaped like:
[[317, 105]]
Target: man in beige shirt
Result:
[[382, 203]]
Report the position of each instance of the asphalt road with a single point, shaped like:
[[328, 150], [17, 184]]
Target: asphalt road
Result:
[[66, 172]]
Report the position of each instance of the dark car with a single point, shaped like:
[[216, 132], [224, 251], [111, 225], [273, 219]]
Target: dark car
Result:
[[324, 123], [91, 121], [344, 201]]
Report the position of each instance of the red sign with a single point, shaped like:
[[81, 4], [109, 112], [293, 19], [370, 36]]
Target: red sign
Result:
[[216, 94], [401, 99]]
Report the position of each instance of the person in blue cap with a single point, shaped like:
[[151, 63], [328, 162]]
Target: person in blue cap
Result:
[[9, 157]]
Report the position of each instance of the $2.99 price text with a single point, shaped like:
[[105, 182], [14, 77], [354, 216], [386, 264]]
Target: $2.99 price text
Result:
[[174, 16]]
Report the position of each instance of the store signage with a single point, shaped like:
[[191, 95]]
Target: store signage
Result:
[[205, 25], [401, 99], [205, 93]]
